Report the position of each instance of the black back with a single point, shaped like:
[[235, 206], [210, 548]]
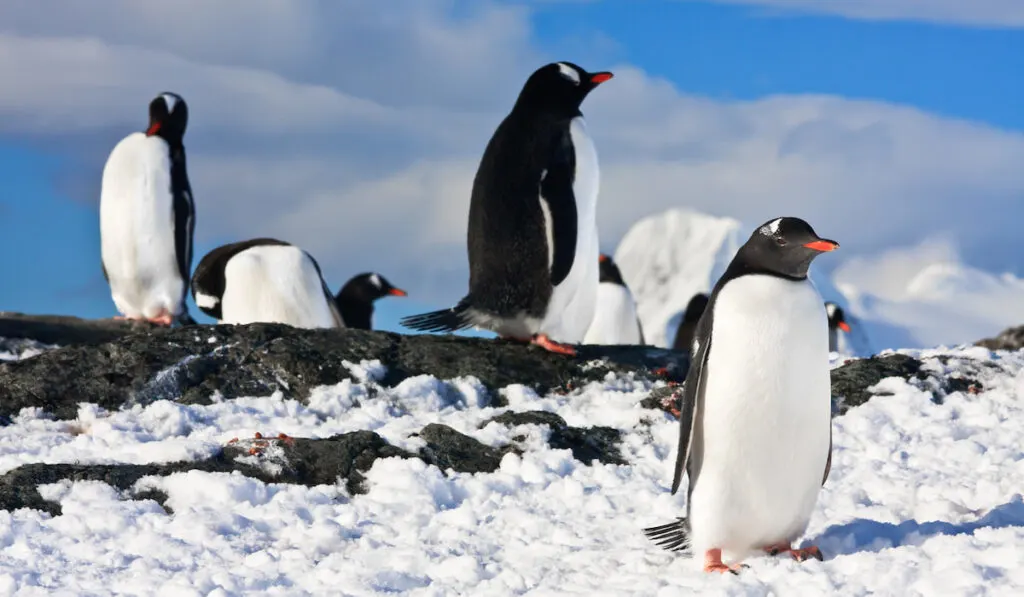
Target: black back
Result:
[[209, 276], [355, 299], [609, 271], [529, 159], [779, 248], [168, 119], [688, 325]]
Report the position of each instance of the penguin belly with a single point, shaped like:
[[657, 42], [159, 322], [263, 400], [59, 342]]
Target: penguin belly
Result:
[[571, 308], [137, 228], [275, 284], [766, 417], [615, 319]]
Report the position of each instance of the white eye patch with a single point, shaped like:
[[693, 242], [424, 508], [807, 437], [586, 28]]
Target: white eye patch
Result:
[[771, 228], [375, 280], [569, 73], [170, 100]]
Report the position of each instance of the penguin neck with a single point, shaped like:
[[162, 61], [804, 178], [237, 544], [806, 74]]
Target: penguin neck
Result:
[[356, 313]]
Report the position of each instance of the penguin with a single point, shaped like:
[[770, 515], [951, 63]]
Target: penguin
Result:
[[264, 280], [688, 324], [755, 431], [355, 299], [147, 218], [532, 234], [615, 318], [836, 320]]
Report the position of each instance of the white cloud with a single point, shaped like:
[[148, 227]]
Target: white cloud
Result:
[[986, 13], [355, 131]]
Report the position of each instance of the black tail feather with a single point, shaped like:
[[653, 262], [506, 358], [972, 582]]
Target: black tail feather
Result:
[[445, 320], [673, 536]]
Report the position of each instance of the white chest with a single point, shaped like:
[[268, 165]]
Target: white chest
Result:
[[767, 415], [615, 320]]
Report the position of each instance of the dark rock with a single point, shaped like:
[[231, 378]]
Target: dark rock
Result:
[[189, 364], [587, 443], [1008, 339], [850, 382], [65, 330], [448, 449]]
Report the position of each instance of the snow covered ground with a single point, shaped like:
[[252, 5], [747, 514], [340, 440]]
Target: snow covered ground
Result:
[[923, 499]]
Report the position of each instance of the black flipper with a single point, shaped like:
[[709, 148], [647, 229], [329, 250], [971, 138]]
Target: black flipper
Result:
[[673, 536], [445, 320], [693, 394], [556, 193]]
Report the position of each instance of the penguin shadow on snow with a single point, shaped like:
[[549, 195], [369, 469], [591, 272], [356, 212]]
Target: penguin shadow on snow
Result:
[[864, 535]]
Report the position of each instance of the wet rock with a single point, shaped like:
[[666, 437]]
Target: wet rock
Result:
[[586, 443], [851, 381], [448, 449], [65, 330], [190, 364]]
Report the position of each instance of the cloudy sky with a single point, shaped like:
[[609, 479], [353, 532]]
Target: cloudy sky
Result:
[[354, 127]]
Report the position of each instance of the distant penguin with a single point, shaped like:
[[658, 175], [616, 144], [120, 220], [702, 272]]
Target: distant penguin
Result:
[[755, 432], [688, 324], [836, 320], [532, 238], [355, 299], [147, 218], [615, 318], [264, 280]]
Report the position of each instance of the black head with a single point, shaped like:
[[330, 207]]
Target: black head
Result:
[[609, 271], [559, 88], [168, 117], [783, 246], [369, 287], [836, 317]]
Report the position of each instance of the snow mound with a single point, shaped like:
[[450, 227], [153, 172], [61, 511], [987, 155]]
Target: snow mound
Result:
[[668, 257], [926, 296]]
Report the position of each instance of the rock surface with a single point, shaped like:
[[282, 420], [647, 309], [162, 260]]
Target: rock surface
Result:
[[118, 364], [1008, 339]]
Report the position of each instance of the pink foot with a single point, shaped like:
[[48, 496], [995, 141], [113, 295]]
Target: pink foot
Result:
[[163, 319], [713, 563], [800, 555], [550, 345]]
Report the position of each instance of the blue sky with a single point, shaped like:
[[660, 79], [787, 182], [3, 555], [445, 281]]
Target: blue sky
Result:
[[710, 51]]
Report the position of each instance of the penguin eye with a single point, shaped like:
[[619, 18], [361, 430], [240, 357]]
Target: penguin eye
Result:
[[780, 241]]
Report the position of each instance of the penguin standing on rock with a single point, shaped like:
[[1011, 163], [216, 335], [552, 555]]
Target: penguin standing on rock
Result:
[[264, 280], [355, 299], [755, 432], [615, 318], [688, 324], [532, 238], [836, 321], [147, 218]]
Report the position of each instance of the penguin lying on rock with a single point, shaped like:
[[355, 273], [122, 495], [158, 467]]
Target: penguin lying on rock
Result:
[[755, 432], [532, 238]]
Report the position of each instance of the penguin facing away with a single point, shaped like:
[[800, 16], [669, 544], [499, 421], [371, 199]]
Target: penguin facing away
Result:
[[836, 320], [532, 234], [355, 299], [755, 433], [615, 318], [688, 324], [264, 280], [147, 218]]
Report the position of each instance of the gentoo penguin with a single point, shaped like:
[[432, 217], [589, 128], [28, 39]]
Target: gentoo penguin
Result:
[[615, 318], [355, 299], [532, 237], [755, 433], [836, 320], [264, 280], [147, 218], [688, 325]]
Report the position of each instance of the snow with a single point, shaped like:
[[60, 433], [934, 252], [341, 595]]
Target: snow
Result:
[[923, 499]]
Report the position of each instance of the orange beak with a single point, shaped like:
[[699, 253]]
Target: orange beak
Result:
[[398, 292], [599, 78], [153, 129], [823, 245], [844, 326], [602, 258]]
